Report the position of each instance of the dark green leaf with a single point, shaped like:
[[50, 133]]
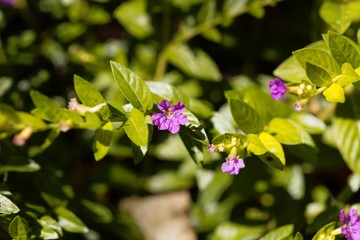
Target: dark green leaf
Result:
[[194, 147], [317, 58], [246, 117], [344, 50], [132, 87], [317, 75], [35, 150]]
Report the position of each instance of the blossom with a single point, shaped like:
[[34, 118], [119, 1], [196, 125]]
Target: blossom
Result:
[[277, 89], [232, 165], [75, 106], [351, 227], [171, 117], [21, 138], [8, 2], [211, 148]]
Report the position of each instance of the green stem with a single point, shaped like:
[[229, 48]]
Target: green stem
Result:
[[162, 62]]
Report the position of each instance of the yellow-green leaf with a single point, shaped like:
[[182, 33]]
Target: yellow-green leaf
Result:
[[334, 93]]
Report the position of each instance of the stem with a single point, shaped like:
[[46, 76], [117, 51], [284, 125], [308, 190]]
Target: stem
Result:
[[161, 63]]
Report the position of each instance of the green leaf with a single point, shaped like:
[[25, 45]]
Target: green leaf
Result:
[[19, 164], [87, 93], [317, 58], [317, 75], [231, 8], [275, 154], [344, 50], [162, 90], [334, 93], [139, 152], [166, 181], [69, 221], [194, 128], [311, 123], [50, 228], [195, 63], [18, 228], [344, 135], [227, 138], [325, 232], [254, 145], [7, 206], [348, 75], [99, 212], [290, 70], [279, 233], [246, 117], [207, 11], [194, 147], [134, 17], [102, 140], [223, 121], [35, 150], [332, 12], [136, 128], [234, 231], [299, 236], [185, 4], [287, 131], [132, 87]]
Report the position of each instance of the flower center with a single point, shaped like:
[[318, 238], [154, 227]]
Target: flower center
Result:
[[169, 113]]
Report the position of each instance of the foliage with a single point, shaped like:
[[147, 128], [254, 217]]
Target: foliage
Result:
[[83, 77]]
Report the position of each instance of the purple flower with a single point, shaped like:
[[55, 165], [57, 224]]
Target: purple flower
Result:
[[351, 227], [232, 166], [8, 2], [277, 89], [171, 118]]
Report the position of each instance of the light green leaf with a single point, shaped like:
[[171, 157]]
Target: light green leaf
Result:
[[50, 228], [290, 70], [185, 4], [275, 154], [287, 131], [311, 123], [166, 181], [18, 228], [332, 12], [231, 8], [134, 17], [234, 231], [334, 93], [348, 75], [279, 233], [207, 11], [87, 93], [344, 50], [223, 121], [212, 34], [325, 232], [69, 221], [344, 135], [102, 140], [139, 152], [136, 128], [317, 58], [162, 90], [196, 63], [246, 117], [7, 206], [132, 87], [317, 75], [254, 145]]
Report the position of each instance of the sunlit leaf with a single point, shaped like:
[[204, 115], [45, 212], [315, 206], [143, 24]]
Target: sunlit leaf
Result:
[[69, 221], [344, 50], [334, 93], [18, 228], [7, 206], [279, 233], [102, 140], [136, 128]]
